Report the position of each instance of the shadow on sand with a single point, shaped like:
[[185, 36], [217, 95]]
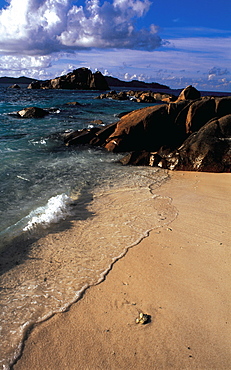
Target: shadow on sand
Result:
[[15, 252]]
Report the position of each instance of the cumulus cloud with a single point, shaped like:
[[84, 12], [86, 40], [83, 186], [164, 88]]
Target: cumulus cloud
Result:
[[36, 27], [35, 66], [17, 64]]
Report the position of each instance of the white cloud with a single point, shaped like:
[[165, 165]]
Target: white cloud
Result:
[[23, 63], [25, 66], [174, 68], [47, 38], [36, 27], [109, 26]]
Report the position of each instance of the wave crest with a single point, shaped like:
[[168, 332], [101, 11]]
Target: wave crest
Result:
[[56, 209]]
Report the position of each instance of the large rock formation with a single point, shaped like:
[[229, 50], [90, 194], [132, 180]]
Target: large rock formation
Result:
[[79, 79], [146, 129], [189, 134], [207, 150]]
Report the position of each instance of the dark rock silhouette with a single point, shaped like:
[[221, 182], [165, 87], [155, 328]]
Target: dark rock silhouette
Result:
[[14, 86], [32, 112], [115, 82], [81, 137], [207, 150], [79, 79]]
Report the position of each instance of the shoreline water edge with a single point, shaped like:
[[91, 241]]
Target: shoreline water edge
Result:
[[179, 276], [68, 213], [60, 266], [45, 189]]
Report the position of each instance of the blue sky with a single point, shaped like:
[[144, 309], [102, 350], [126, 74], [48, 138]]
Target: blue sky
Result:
[[171, 42]]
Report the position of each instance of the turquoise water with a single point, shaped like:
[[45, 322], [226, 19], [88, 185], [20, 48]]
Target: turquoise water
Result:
[[62, 221], [35, 165]]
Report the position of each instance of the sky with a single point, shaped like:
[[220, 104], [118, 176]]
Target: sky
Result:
[[176, 43]]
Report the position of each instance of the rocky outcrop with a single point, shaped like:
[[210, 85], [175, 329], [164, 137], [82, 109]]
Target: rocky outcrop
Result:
[[189, 134], [207, 150], [79, 79], [94, 136], [147, 129], [37, 85], [189, 93], [138, 96], [32, 112], [207, 140]]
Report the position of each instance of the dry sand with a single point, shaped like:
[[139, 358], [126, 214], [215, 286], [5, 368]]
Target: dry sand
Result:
[[180, 275]]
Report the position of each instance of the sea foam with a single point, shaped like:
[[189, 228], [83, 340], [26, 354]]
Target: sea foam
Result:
[[56, 209]]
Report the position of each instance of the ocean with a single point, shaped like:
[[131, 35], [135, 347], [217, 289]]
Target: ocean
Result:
[[66, 213]]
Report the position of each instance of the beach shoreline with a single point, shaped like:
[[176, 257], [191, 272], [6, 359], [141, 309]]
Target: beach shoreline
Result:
[[179, 275]]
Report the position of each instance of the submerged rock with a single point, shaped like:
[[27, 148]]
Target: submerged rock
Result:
[[73, 104], [81, 137], [14, 86]]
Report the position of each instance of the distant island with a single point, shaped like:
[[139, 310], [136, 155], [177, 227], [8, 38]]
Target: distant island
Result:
[[110, 81], [114, 82], [16, 80]]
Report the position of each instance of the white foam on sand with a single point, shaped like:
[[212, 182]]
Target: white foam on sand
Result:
[[56, 209]]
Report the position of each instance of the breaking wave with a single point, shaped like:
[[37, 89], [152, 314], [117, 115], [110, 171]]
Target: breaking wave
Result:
[[56, 209]]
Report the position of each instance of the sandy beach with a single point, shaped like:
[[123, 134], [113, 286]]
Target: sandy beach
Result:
[[179, 275]]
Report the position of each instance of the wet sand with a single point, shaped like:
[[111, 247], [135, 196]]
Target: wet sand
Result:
[[180, 275]]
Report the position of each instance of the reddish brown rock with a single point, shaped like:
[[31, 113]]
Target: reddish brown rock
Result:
[[138, 130], [184, 135], [101, 136], [189, 93], [138, 96], [146, 98], [146, 129]]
